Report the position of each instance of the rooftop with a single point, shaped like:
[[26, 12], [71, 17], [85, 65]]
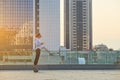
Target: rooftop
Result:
[[60, 75]]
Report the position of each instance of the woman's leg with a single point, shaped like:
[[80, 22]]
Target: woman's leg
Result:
[[37, 57]]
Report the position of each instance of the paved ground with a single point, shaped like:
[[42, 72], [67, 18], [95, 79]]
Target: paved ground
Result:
[[60, 75]]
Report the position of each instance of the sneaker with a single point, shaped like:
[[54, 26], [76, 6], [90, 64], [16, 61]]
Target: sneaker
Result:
[[35, 69]]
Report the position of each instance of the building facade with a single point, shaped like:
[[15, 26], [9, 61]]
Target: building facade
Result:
[[78, 24], [25, 18], [50, 23], [20, 20]]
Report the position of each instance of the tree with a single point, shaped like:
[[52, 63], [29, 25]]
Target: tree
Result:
[[111, 49]]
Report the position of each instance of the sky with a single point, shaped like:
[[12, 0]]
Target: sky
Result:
[[106, 23]]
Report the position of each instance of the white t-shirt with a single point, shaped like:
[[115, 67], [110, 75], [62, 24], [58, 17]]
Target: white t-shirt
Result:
[[37, 43]]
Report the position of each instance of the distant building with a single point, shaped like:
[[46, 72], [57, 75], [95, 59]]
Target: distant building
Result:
[[101, 47], [78, 24], [50, 23]]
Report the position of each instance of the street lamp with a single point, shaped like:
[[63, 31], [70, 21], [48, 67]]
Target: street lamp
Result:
[[77, 52]]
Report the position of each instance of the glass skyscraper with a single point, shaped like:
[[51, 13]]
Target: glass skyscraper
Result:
[[19, 22], [50, 23], [16, 23]]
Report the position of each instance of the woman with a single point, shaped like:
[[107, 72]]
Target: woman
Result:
[[38, 49]]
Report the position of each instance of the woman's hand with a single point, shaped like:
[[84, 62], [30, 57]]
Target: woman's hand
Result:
[[41, 43]]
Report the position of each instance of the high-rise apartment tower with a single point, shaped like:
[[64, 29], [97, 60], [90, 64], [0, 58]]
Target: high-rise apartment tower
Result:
[[78, 24]]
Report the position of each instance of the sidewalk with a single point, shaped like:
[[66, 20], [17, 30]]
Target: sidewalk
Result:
[[60, 75]]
